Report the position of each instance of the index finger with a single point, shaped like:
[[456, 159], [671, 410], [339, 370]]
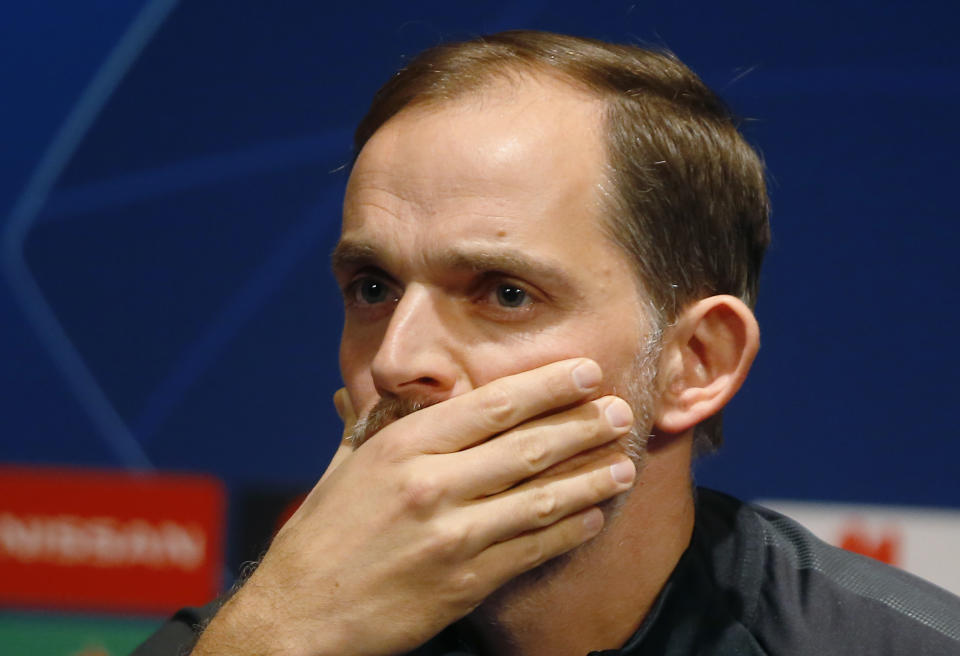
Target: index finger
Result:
[[473, 417]]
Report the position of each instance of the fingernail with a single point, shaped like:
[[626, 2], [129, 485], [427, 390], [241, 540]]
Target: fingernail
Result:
[[618, 413], [593, 520], [623, 471], [587, 375]]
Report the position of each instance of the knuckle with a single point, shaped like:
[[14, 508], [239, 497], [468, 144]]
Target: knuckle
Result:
[[465, 584], [534, 454], [463, 589], [421, 492], [498, 407], [601, 485], [596, 483], [534, 552], [543, 505], [446, 542]]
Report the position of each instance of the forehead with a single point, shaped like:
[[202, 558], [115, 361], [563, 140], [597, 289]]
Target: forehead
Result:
[[520, 164]]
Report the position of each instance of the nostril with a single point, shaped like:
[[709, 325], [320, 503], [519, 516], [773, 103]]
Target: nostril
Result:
[[425, 380], [422, 386]]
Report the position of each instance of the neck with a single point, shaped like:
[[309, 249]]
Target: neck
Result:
[[596, 597]]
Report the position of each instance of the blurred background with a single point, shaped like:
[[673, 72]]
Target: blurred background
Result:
[[170, 183]]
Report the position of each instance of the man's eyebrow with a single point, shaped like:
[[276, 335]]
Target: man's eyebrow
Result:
[[510, 262], [352, 254]]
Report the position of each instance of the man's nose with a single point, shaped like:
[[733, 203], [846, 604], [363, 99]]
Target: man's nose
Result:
[[417, 357]]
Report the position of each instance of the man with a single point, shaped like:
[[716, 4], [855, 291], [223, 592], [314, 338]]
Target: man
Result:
[[550, 248]]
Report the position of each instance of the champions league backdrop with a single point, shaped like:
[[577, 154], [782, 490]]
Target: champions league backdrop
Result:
[[170, 181]]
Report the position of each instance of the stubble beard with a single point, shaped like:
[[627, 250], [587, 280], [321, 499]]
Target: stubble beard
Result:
[[638, 391], [385, 412]]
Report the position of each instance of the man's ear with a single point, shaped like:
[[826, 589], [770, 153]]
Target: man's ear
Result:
[[706, 356]]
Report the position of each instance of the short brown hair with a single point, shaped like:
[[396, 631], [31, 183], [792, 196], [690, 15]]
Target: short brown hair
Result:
[[688, 201]]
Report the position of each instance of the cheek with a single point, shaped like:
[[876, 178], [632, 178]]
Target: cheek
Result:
[[612, 342], [495, 360]]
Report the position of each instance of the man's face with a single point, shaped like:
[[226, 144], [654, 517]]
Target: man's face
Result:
[[472, 249]]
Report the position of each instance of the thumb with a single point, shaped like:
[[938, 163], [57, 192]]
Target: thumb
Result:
[[341, 401]]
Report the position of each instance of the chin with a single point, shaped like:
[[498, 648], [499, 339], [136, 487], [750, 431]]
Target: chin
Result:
[[532, 586], [528, 586]]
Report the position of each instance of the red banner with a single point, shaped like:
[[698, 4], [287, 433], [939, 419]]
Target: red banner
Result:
[[102, 540]]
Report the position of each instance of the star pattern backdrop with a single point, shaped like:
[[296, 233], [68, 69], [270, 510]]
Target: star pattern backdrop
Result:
[[170, 193]]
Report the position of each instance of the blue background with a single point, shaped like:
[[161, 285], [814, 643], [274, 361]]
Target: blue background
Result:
[[170, 180]]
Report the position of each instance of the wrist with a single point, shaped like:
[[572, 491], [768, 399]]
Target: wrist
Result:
[[253, 623]]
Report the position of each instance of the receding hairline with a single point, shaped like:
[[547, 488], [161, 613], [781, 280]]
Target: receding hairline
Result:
[[505, 74], [511, 77], [517, 76], [452, 70]]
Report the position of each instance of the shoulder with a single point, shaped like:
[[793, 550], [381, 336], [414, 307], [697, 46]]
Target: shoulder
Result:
[[811, 597]]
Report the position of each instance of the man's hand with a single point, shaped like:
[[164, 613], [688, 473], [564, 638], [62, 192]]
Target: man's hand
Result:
[[417, 527]]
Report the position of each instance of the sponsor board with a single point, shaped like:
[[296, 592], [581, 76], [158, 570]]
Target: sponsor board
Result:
[[103, 540], [52, 635], [922, 541]]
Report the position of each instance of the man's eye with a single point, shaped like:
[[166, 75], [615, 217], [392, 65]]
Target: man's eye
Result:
[[512, 296], [371, 291]]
